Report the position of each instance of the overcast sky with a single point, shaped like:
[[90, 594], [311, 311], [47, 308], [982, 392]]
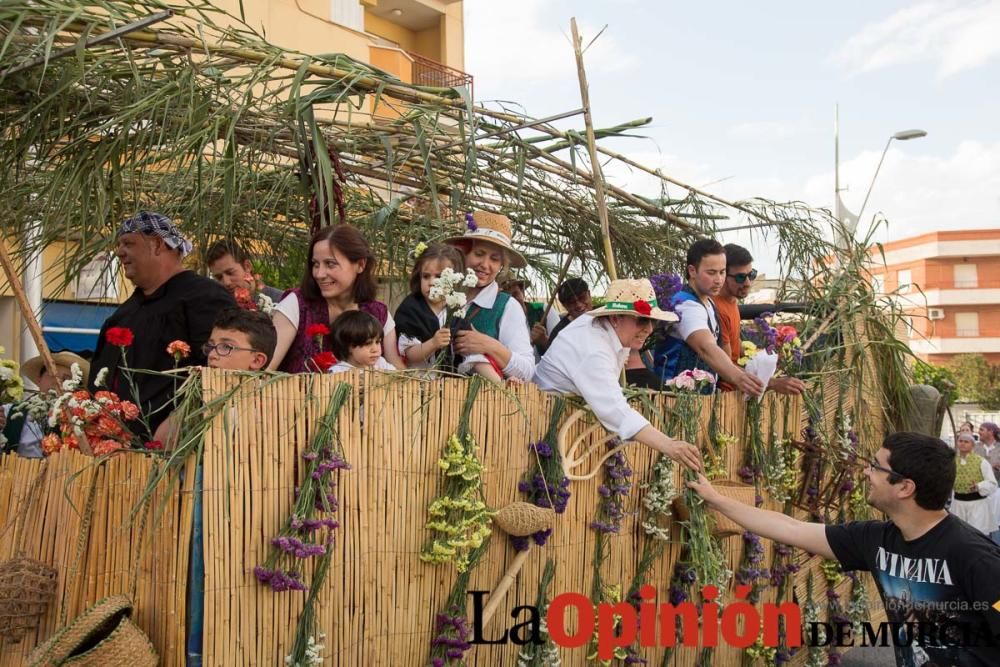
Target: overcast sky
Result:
[[742, 95]]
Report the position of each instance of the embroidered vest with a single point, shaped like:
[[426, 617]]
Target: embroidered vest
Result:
[[968, 474], [672, 355], [317, 312], [487, 320]]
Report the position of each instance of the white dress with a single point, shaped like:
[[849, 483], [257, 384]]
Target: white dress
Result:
[[978, 513]]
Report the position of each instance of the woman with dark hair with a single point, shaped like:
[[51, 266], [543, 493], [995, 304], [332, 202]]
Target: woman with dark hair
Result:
[[338, 277]]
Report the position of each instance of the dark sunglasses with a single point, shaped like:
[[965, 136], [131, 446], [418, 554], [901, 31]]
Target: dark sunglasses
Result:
[[741, 278], [894, 477]]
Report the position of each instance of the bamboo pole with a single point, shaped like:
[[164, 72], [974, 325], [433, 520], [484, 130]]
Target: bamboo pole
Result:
[[559, 279], [595, 166], [26, 312]]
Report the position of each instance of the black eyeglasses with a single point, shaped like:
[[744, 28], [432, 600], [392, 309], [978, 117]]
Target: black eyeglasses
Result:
[[741, 278], [894, 476], [223, 349]]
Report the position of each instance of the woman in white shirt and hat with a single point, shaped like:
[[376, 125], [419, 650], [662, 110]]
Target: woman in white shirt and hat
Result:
[[588, 357], [499, 329]]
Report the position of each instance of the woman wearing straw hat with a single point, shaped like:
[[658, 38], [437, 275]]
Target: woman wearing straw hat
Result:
[[22, 434], [499, 330], [588, 356]]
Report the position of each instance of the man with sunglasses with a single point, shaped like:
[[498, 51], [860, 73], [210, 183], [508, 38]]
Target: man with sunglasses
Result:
[[933, 570], [740, 275], [696, 341]]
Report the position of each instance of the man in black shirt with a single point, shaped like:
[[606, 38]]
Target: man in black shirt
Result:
[[933, 571], [169, 303]]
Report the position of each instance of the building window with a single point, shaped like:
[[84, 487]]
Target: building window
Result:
[[348, 13], [908, 323], [967, 325], [966, 275], [904, 279]]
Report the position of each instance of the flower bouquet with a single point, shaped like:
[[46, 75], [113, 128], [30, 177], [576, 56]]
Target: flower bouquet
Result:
[[98, 419], [252, 297]]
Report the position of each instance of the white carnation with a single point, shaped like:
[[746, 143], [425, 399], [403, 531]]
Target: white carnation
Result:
[[265, 303], [470, 278]]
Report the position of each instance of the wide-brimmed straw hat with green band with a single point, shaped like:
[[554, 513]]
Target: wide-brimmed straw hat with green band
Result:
[[633, 297]]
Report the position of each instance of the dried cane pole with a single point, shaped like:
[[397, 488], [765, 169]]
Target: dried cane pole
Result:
[[595, 165], [33, 327]]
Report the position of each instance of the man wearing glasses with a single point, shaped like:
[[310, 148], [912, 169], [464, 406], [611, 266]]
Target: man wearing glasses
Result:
[[740, 275], [932, 569]]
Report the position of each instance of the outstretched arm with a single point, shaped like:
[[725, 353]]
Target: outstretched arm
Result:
[[775, 526]]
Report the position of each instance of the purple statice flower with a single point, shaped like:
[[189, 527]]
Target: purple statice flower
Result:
[[677, 595], [543, 448], [847, 486], [452, 633], [616, 486], [768, 334], [665, 286], [520, 543], [632, 658], [470, 222], [542, 536], [310, 456], [833, 658]]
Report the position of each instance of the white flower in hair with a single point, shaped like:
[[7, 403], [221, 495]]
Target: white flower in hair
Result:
[[102, 376]]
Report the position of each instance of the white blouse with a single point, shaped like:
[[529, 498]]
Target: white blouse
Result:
[[587, 358]]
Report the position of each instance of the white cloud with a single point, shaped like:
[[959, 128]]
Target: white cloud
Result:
[[952, 36], [518, 43], [767, 130]]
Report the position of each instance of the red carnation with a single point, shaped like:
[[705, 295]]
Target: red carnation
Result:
[[324, 361], [120, 336], [642, 307], [154, 445], [787, 334], [317, 330]]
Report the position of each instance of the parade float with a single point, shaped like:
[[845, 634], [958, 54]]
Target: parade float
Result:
[[387, 519]]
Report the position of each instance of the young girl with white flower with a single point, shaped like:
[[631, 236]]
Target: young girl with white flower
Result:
[[421, 319]]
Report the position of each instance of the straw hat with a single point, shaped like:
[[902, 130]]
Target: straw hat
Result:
[[633, 297], [491, 228], [32, 368]]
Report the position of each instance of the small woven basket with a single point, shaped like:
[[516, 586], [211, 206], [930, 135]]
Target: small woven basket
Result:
[[103, 636], [26, 588], [723, 525], [521, 519]]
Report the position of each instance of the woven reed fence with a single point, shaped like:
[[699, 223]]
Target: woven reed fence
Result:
[[379, 601]]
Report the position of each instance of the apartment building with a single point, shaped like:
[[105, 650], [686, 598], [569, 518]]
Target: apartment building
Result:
[[949, 283], [418, 41]]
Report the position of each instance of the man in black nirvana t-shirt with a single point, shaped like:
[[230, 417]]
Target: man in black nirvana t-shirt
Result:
[[938, 576]]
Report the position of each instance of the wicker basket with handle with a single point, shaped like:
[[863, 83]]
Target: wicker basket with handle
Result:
[[27, 586], [103, 636]]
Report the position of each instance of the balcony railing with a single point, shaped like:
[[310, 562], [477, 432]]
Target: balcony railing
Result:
[[427, 72]]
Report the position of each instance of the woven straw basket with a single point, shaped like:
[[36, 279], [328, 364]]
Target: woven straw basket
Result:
[[521, 519], [103, 636], [724, 527], [26, 588]]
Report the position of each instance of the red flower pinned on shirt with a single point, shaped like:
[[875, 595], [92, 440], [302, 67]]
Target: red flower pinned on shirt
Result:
[[324, 361], [642, 307], [120, 336], [244, 299]]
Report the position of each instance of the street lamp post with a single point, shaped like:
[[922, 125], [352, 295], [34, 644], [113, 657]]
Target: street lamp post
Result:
[[904, 135]]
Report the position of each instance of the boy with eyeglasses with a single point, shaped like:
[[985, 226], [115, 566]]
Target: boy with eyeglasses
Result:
[[740, 275], [241, 340], [935, 573]]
